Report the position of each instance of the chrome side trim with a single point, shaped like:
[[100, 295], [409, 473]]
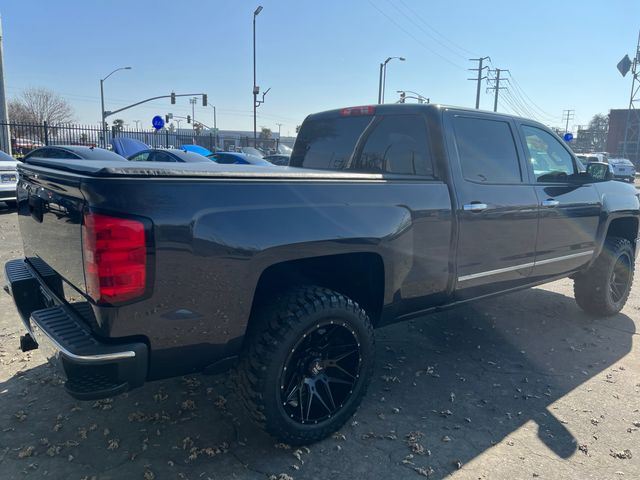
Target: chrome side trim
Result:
[[495, 272], [41, 333], [566, 257], [473, 276]]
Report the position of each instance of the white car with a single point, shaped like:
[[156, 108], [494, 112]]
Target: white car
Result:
[[8, 179]]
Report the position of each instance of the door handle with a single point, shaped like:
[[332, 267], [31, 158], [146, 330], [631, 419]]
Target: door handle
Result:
[[475, 207], [550, 202]]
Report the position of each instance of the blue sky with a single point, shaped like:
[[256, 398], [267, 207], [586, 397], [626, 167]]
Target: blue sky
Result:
[[318, 55]]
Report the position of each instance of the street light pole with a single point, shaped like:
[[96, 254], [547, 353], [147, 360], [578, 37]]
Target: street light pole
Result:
[[383, 77], [255, 87], [380, 84], [193, 101], [102, 111]]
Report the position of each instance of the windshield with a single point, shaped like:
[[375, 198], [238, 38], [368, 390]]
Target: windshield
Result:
[[252, 151]]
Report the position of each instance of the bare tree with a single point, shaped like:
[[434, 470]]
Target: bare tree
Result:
[[599, 127], [39, 105]]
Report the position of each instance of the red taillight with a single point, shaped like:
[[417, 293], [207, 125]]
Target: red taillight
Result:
[[355, 111], [115, 258]]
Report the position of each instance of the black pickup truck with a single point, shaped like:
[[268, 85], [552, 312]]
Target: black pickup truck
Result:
[[140, 272]]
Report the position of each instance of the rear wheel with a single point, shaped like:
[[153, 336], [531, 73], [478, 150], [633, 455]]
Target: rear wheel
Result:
[[307, 364], [604, 288], [11, 203]]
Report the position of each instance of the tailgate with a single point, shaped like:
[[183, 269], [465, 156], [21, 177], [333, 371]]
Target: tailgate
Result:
[[50, 217]]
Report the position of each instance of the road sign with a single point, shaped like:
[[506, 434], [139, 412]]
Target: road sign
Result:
[[624, 65], [568, 137], [157, 122]]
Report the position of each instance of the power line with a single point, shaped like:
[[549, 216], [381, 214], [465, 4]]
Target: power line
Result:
[[521, 91], [464, 51], [407, 32], [430, 35]]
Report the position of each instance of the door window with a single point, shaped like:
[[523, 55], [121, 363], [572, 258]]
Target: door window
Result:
[[550, 160], [141, 157], [487, 150], [162, 157]]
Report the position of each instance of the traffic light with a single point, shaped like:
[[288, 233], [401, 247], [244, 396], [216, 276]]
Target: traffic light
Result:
[[188, 118], [173, 98], [204, 100], [403, 96], [166, 119]]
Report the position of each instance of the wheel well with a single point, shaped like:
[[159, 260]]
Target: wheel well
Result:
[[360, 276], [624, 228]]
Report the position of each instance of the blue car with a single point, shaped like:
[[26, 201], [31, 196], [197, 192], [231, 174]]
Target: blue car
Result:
[[230, 158], [167, 155]]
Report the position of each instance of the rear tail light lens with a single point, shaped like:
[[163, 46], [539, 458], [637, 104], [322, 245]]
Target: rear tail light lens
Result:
[[358, 111], [115, 258]]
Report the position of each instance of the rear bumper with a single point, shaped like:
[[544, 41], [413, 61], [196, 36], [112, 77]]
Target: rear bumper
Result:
[[94, 368]]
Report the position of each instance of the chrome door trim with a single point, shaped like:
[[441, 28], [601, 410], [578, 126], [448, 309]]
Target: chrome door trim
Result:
[[498, 271]]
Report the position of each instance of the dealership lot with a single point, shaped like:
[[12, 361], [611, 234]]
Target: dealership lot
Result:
[[523, 386]]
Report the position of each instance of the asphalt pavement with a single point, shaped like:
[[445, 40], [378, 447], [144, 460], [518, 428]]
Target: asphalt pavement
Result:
[[519, 387]]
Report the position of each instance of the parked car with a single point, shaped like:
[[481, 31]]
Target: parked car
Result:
[[252, 151], [278, 159], [74, 152], [623, 169], [168, 155], [127, 146], [229, 158], [284, 273], [197, 149], [8, 179], [22, 146]]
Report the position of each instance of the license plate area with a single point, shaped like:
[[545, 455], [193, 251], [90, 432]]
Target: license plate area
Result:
[[8, 178]]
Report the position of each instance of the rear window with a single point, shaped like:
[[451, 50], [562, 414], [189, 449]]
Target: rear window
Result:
[[389, 144], [327, 143]]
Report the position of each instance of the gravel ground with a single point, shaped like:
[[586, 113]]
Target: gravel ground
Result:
[[520, 387]]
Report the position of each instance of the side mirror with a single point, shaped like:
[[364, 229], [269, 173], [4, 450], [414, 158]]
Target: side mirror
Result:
[[599, 171]]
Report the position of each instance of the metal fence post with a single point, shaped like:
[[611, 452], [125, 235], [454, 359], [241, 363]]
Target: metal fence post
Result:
[[46, 133], [166, 138]]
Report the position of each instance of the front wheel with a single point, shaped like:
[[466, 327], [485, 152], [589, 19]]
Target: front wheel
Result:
[[307, 363], [604, 288]]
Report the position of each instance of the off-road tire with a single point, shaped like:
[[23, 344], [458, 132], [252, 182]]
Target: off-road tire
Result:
[[273, 332], [592, 287]]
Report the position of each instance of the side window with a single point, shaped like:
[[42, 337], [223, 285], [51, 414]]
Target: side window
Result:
[[141, 157], [59, 153], [225, 159], [487, 150], [397, 144], [551, 162], [162, 157]]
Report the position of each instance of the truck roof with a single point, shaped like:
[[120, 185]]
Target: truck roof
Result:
[[405, 108]]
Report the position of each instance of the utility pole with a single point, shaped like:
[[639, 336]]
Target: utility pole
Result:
[[256, 89], [497, 86], [632, 127], [137, 122], [5, 140], [567, 115], [480, 77]]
